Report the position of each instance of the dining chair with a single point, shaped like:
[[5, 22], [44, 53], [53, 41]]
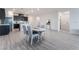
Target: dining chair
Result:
[[25, 30], [32, 35]]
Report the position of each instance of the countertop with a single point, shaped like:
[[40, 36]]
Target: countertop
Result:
[[3, 24]]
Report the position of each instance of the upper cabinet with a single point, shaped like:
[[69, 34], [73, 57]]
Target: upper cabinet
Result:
[[2, 15], [20, 17]]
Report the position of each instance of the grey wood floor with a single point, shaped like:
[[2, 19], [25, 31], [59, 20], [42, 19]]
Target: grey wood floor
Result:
[[52, 41]]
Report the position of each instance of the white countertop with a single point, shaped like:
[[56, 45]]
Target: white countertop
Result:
[[3, 24], [39, 29]]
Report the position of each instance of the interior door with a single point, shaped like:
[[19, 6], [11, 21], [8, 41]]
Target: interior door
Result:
[[64, 22]]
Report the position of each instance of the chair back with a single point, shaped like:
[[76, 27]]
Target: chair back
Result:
[[25, 30], [29, 31]]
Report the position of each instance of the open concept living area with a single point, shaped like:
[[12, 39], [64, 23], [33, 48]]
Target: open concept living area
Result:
[[39, 28]]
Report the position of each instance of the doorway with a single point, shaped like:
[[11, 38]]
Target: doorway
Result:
[[64, 21]]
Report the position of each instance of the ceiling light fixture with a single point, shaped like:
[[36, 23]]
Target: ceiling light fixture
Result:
[[38, 18], [38, 9]]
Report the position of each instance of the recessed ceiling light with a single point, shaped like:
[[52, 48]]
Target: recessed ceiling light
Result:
[[38, 9], [37, 18]]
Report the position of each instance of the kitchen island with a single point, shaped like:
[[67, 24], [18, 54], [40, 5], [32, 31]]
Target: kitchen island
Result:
[[4, 29]]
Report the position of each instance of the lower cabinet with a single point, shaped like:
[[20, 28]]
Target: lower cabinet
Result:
[[4, 30]]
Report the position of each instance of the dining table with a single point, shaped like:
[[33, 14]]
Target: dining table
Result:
[[40, 31]]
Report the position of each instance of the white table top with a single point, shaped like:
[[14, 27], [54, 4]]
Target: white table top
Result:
[[39, 29]]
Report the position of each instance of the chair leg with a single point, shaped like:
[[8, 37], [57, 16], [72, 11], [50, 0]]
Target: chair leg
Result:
[[31, 40], [38, 39]]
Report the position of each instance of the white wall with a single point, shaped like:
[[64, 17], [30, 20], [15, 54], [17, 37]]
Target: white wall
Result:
[[74, 20], [44, 18], [53, 18]]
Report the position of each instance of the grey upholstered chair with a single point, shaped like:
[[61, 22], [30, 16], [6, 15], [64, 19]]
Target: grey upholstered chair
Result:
[[30, 33], [25, 30]]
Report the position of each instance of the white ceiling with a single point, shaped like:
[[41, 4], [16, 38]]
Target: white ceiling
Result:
[[36, 11]]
